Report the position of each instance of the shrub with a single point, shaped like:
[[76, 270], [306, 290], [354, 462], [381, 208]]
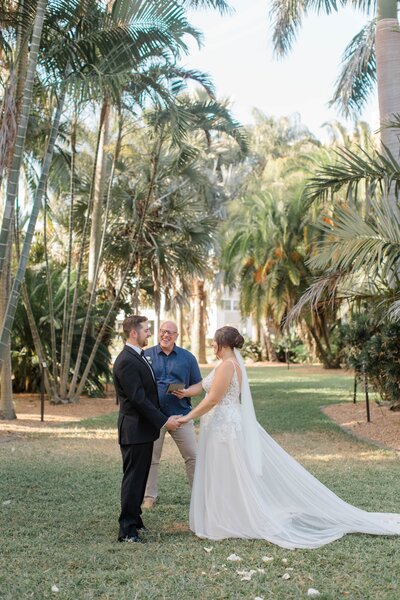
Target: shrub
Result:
[[374, 348]]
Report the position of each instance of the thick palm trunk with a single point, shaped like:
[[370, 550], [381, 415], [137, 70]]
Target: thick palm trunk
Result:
[[387, 43], [255, 329], [199, 321], [13, 176], [268, 343]]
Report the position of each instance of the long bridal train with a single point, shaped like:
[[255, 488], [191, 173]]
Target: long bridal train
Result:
[[247, 486]]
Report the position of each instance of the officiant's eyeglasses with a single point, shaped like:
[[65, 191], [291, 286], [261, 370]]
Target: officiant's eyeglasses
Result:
[[167, 332]]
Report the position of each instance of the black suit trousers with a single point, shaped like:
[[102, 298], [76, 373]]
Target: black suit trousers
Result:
[[136, 465]]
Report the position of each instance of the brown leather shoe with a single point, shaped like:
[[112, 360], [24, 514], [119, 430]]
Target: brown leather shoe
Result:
[[148, 502]]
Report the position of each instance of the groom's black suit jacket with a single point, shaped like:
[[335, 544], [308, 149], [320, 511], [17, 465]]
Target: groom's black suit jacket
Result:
[[140, 418]]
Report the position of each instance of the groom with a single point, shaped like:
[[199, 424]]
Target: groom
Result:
[[139, 423]]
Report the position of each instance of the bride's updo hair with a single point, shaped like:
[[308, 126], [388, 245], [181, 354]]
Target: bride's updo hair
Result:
[[228, 336]]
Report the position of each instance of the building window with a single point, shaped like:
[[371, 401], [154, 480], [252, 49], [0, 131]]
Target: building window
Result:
[[228, 304], [235, 304]]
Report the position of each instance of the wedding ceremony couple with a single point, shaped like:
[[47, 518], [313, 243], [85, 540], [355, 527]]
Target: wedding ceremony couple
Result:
[[244, 485]]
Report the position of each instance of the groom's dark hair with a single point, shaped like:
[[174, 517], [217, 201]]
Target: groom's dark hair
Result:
[[132, 322]]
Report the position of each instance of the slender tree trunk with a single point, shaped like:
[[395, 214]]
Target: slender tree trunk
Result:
[[98, 193], [387, 44], [199, 321], [134, 242], [39, 349], [13, 176], [92, 296], [23, 261], [8, 124], [180, 323], [50, 299], [7, 410], [67, 293]]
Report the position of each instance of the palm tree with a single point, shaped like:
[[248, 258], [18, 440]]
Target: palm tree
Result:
[[154, 36], [373, 55]]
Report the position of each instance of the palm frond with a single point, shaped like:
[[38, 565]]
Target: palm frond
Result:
[[287, 16], [358, 76], [351, 169]]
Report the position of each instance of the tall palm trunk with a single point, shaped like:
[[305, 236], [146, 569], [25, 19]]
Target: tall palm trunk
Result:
[[199, 321], [268, 342], [134, 242], [67, 293], [6, 401], [387, 43], [13, 176], [70, 315], [98, 193], [23, 261], [99, 251]]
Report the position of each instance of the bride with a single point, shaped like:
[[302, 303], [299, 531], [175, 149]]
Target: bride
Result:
[[245, 484]]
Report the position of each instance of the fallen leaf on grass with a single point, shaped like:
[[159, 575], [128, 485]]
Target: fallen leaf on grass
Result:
[[286, 576], [234, 557], [284, 560], [6, 502], [208, 549], [246, 575], [258, 598], [313, 592], [54, 589], [267, 559]]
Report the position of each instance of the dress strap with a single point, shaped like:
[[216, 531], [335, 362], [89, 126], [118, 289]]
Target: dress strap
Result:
[[235, 365]]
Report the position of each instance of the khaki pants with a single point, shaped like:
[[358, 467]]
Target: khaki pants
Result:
[[185, 439]]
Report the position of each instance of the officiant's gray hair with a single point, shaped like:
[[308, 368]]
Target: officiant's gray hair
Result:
[[228, 336]]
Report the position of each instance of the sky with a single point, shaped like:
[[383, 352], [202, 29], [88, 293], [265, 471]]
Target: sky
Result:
[[237, 53]]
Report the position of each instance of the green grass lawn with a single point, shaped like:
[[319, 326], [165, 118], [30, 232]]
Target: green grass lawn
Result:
[[60, 527]]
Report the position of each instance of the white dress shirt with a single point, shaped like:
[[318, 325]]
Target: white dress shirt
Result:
[[139, 351]]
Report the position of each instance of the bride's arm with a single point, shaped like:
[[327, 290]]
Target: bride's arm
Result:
[[193, 390], [219, 387]]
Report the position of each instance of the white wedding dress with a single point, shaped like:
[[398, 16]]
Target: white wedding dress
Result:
[[247, 486]]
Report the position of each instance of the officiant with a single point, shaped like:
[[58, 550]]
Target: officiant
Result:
[[173, 367]]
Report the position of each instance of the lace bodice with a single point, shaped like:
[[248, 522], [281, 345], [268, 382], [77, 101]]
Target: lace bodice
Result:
[[226, 416], [232, 395]]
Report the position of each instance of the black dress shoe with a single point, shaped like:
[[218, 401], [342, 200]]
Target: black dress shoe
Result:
[[132, 539]]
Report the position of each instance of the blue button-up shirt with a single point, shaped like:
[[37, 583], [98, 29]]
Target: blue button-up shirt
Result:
[[180, 366]]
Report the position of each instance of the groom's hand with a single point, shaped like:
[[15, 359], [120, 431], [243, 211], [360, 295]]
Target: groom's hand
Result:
[[173, 424]]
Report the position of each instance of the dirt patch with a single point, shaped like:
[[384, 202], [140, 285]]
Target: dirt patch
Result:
[[384, 428], [28, 420]]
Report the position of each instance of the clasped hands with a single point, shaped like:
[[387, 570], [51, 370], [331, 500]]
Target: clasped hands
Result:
[[175, 422]]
